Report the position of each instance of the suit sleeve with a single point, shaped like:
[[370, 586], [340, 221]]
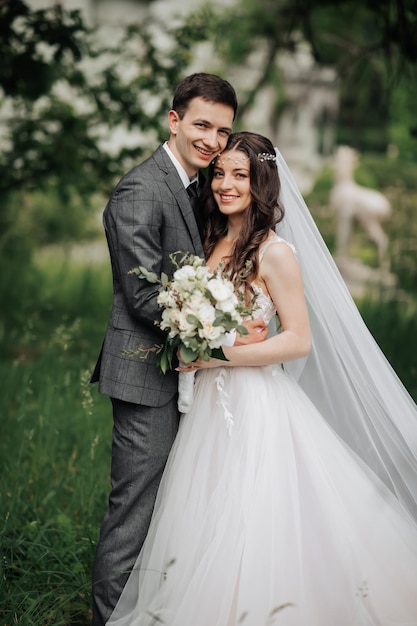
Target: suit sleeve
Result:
[[134, 222]]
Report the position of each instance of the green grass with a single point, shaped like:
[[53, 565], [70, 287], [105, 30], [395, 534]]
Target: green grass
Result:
[[54, 451], [56, 433], [53, 493]]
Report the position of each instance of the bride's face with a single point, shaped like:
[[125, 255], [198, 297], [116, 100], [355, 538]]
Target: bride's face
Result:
[[231, 182]]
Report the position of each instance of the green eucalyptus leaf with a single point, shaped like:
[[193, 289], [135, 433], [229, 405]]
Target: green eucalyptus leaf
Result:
[[163, 362], [151, 277], [193, 319], [187, 355]]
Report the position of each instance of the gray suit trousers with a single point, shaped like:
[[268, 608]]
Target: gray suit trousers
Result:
[[142, 439]]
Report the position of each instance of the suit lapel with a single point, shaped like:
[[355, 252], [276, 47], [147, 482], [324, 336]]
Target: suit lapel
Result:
[[177, 189]]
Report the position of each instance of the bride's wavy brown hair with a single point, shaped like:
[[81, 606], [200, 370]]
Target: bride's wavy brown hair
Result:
[[264, 212]]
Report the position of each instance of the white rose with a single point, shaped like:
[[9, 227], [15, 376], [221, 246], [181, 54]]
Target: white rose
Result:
[[186, 328], [206, 313], [194, 301], [197, 262], [227, 306], [184, 273], [166, 299], [184, 282], [212, 334], [203, 274], [170, 319], [219, 289]]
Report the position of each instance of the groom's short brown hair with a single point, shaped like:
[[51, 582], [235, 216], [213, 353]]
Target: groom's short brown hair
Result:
[[207, 86]]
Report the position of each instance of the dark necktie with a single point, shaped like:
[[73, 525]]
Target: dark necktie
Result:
[[194, 201]]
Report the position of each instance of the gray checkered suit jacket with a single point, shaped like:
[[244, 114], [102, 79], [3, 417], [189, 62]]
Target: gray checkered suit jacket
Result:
[[148, 216]]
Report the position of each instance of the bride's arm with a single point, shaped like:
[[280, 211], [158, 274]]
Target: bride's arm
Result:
[[281, 274]]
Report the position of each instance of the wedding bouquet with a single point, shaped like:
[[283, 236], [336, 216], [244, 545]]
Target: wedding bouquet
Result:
[[199, 308]]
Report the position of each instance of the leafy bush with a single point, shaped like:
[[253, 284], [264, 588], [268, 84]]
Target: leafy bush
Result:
[[393, 324]]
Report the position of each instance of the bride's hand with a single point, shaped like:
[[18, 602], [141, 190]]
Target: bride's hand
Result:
[[199, 364], [257, 331], [186, 367]]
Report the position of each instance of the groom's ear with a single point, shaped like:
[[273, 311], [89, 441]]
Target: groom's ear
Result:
[[173, 119]]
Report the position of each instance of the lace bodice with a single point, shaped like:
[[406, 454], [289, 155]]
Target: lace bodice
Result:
[[265, 308]]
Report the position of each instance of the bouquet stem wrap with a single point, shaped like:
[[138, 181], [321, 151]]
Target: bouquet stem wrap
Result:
[[185, 391]]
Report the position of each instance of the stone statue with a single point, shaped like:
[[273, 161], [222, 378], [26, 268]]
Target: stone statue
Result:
[[352, 202]]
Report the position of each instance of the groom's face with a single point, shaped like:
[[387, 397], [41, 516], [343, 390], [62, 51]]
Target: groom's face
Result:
[[201, 134]]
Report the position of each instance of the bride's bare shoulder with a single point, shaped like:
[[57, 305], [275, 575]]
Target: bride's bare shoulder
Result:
[[276, 247]]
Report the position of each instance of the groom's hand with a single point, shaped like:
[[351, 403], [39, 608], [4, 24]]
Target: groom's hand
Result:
[[257, 332]]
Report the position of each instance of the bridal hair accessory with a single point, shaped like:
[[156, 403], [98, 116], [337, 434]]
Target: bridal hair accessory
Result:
[[266, 156], [237, 160], [346, 375]]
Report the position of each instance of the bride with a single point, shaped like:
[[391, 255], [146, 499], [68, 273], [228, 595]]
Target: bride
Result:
[[289, 497]]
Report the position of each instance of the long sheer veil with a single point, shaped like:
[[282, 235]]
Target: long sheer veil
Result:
[[346, 375]]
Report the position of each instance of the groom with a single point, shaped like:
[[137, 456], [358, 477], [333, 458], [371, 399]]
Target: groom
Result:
[[149, 216]]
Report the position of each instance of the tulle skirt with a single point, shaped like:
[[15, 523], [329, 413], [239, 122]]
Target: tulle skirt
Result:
[[264, 517]]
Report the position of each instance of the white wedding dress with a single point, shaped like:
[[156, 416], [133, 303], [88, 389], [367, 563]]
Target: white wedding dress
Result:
[[265, 517]]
